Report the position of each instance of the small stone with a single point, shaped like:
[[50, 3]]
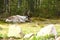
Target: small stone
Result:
[[28, 35]]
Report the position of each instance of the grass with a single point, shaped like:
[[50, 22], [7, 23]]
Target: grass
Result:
[[31, 27]]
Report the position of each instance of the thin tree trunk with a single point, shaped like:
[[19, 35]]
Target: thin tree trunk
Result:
[[9, 8], [19, 3], [6, 5]]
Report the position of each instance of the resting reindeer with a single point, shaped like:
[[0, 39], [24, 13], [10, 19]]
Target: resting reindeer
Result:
[[17, 18]]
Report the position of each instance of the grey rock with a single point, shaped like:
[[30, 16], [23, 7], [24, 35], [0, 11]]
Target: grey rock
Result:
[[47, 30], [14, 31]]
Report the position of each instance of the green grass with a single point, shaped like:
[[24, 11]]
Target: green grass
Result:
[[50, 37], [32, 27], [27, 28]]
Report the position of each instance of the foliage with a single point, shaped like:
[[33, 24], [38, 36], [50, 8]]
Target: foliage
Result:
[[39, 8], [32, 38], [28, 28], [41, 38]]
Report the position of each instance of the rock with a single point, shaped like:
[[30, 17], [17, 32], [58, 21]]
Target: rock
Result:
[[47, 30], [58, 38], [17, 18], [14, 31], [28, 35]]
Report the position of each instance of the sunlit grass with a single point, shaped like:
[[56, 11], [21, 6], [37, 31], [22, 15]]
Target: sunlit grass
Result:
[[27, 28], [30, 27]]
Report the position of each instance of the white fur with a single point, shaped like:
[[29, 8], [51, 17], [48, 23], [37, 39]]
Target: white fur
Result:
[[17, 18]]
